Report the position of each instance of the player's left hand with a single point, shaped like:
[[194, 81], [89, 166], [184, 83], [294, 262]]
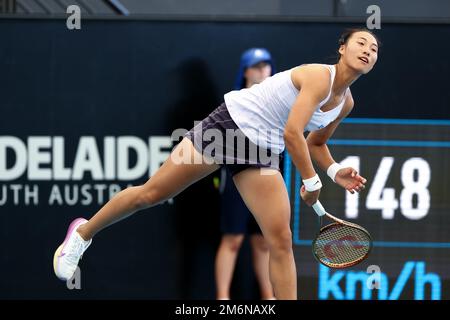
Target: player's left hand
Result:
[[349, 179]]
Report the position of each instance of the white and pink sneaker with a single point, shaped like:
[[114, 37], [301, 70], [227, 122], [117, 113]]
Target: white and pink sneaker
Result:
[[69, 253]]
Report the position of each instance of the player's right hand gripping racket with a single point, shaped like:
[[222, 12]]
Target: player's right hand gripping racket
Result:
[[340, 244]]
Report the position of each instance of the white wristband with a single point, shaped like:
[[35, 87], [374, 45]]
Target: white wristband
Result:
[[312, 184], [333, 169]]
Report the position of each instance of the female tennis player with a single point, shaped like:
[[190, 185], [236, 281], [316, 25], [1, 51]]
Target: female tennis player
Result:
[[270, 116]]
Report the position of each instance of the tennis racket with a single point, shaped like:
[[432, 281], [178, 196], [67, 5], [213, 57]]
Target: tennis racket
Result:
[[340, 244]]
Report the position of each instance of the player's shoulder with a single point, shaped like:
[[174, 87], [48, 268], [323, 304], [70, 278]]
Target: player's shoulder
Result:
[[313, 70], [312, 76]]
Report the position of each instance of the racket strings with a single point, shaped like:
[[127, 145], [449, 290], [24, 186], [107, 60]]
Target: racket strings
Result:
[[341, 245]]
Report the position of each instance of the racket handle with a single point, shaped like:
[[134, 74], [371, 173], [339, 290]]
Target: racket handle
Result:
[[319, 209]]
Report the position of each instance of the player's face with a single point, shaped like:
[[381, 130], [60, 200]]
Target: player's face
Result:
[[257, 73], [360, 52]]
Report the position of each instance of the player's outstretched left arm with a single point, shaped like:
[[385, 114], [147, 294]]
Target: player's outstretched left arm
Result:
[[348, 178]]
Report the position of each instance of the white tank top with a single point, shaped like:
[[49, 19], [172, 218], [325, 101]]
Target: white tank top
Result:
[[261, 112]]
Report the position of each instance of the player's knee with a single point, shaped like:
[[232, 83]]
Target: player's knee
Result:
[[281, 241]]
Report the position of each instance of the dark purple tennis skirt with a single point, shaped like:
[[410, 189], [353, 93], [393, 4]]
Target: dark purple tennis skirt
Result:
[[218, 137]]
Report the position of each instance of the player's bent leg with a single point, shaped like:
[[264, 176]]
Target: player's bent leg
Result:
[[266, 197]]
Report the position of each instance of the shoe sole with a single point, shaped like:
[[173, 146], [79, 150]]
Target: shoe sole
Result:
[[75, 223], [55, 260]]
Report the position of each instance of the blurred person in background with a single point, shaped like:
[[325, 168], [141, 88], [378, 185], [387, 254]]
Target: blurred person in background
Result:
[[236, 221]]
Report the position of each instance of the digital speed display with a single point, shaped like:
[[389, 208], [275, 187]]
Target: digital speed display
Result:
[[405, 207]]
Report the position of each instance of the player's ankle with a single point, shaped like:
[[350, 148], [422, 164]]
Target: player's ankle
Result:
[[81, 230]]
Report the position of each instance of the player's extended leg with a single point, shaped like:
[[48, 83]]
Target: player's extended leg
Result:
[[267, 199], [170, 179]]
